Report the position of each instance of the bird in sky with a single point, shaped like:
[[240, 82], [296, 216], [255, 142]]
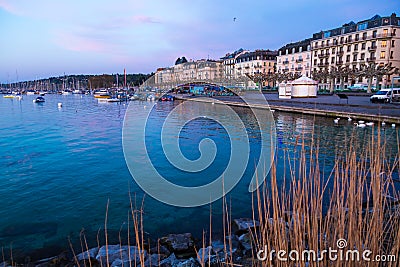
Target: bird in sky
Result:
[[234, 19]]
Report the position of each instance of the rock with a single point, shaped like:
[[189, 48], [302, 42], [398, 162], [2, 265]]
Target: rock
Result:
[[217, 246], [120, 263], [245, 224], [59, 260], [118, 255], [188, 263], [154, 260], [181, 244], [160, 250], [170, 261], [204, 254], [232, 244], [91, 253], [245, 240]]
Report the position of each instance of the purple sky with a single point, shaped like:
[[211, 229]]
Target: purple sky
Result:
[[43, 38]]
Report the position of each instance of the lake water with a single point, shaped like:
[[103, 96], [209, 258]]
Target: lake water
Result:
[[60, 166]]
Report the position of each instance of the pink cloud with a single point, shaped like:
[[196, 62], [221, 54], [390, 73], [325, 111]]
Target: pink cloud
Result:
[[80, 43], [7, 6], [144, 19]]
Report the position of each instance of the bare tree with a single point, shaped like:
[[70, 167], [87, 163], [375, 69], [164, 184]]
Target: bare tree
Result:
[[373, 70]]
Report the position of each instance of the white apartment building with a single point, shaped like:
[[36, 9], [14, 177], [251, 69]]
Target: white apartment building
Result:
[[295, 58], [229, 62], [374, 40], [258, 61], [200, 70]]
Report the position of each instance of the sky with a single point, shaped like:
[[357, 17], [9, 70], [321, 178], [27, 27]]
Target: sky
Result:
[[47, 38]]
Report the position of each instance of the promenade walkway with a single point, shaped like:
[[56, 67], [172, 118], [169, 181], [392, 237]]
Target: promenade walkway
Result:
[[358, 107]]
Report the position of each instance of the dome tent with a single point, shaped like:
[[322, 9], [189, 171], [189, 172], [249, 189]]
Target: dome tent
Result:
[[301, 87]]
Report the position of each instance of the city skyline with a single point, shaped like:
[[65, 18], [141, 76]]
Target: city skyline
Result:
[[49, 38]]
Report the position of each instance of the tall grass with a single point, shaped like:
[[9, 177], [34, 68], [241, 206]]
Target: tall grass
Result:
[[363, 207]]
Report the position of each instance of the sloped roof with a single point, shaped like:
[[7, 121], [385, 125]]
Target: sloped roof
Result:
[[304, 80]]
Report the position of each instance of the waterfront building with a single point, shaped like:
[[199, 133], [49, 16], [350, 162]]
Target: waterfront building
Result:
[[200, 70], [258, 61], [376, 40], [209, 70], [229, 62], [163, 75], [295, 58]]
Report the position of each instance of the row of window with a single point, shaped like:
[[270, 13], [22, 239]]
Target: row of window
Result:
[[294, 50], [299, 59], [357, 37], [298, 67], [355, 58], [383, 44]]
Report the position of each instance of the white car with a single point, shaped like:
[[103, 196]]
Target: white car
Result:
[[384, 95]]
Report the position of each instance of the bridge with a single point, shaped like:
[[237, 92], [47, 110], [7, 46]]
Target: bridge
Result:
[[197, 86]]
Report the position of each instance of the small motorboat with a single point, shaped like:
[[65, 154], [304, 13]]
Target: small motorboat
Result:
[[9, 96], [151, 97], [102, 94], [108, 100], [167, 98], [39, 99], [134, 97]]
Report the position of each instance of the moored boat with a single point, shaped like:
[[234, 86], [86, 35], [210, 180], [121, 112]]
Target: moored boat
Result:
[[102, 94], [151, 97], [167, 98], [39, 99], [108, 100], [134, 97]]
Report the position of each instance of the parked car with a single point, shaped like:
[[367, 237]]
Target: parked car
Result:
[[384, 95], [359, 87]]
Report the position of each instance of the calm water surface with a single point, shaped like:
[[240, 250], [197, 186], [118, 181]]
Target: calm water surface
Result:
[[59, 167]]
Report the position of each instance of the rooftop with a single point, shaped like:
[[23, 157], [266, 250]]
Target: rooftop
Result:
[[375, 21]]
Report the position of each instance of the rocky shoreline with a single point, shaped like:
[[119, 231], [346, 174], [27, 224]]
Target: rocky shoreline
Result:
[[172, 250]]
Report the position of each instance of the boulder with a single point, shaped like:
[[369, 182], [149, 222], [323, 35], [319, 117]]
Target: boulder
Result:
[[245, 240], [160, 250], [205, 254], [232, 244], [59, 260], [91, 253], [218, 246], [245, 224], [118, 255], [170, 261], [154, 260], [180, 244], [188, 263]]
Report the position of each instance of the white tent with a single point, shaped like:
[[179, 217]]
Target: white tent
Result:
[[301, 87]]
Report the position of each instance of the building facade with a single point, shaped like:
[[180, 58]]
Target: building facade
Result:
[[200, 70], [376, 40], [295, 58], [229, 63], [258, 61]]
